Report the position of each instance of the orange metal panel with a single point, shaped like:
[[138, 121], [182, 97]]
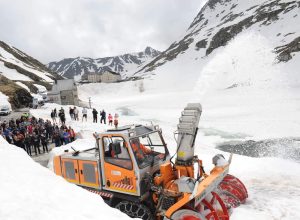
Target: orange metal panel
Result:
[[75, 166], [81, 173], [57, 165], [120, 179]]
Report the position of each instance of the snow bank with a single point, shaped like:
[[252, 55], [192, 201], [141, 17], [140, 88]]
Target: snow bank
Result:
[[23, 86], [30, 191], [4, 100], [12, 74], [40, 88]]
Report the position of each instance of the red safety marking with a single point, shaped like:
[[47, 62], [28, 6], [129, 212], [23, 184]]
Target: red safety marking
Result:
[[108, 195], [123, 186]]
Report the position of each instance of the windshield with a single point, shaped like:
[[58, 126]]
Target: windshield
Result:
[[148, 149]]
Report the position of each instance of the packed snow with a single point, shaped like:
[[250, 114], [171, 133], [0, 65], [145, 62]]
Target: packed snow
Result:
[[4, 100], [12, 74], [30, 191]]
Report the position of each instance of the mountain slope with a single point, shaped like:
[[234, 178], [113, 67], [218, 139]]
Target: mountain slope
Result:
[[219, 21], [17, 68], [123, 64]]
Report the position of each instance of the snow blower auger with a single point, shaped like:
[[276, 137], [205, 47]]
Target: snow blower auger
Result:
[[131, 169]]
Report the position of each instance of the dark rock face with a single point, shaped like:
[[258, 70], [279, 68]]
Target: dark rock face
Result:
[[21, 98], [18, 96], [226, 34], [285, 51]]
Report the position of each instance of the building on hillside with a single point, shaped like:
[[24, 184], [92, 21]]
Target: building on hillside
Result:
[[94, 77], [105, 77], [64, 92], [110, 76]]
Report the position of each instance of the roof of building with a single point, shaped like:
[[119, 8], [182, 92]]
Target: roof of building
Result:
[[107, 71], [112, 72]]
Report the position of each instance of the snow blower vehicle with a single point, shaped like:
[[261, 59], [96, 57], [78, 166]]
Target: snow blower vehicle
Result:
[[132, 170]]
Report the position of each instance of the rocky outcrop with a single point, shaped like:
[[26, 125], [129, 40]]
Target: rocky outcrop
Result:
[[285, 51], [18, 96]]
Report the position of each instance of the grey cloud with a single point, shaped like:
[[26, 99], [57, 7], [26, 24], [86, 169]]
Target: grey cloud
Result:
[[53, 29]]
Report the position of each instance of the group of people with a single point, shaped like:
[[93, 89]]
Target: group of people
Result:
[[111, 119], [31, 133], [74, 115]]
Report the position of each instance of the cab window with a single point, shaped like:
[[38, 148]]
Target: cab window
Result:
[[148, 149], [116, 152]]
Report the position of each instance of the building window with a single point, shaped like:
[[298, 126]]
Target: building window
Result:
[[63, 97]]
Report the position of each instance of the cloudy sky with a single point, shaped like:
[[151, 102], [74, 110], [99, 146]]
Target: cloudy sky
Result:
[[50, 30]]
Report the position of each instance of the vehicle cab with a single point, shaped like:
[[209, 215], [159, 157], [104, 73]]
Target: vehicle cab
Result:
[[128, 154]]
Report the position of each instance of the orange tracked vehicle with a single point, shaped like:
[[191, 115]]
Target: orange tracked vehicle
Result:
[[132, 170]]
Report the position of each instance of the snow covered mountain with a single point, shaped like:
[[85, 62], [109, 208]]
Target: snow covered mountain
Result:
[[21, 74], [123, 64], [220, 21], [17, 65]]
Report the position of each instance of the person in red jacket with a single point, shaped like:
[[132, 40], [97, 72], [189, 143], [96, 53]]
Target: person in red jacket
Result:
[[30, 129], [71, 134]]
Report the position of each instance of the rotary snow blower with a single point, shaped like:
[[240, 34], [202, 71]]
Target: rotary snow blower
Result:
[[132, 170]]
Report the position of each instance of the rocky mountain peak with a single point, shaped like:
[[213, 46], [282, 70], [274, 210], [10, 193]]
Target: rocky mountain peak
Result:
[[124, 64], [151, 52], [220, 21]]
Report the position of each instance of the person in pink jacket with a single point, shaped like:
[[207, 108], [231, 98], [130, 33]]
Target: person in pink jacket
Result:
[[116, 120], [110, 119]]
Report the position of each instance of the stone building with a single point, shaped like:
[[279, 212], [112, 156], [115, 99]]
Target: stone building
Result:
[[105, 77], [110, 76], [94, 77], [64, 92]]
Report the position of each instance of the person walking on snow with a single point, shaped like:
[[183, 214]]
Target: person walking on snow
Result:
[[95, 115], [84, 113], [76, 113], [71, 112], [116, 120], [103, 116], [110, 119], [53, 117]]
